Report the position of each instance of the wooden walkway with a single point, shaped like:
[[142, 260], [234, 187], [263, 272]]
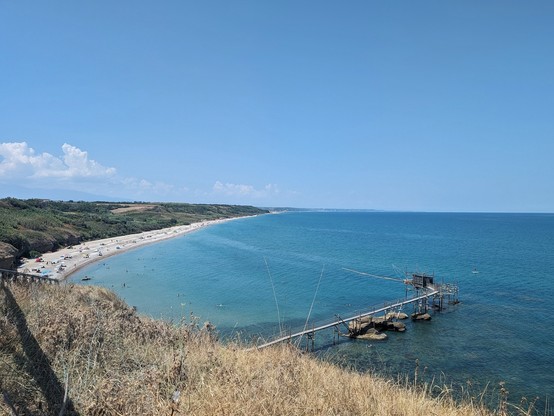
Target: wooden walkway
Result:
[[19, 277], [431, 291]]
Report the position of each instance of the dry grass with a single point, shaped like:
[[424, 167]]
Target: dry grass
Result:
[[133, 208], [114, 362]]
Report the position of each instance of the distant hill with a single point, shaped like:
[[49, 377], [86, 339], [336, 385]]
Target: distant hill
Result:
[[21, 192]]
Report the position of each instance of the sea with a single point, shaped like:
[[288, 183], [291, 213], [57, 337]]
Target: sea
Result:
[[254, 278]]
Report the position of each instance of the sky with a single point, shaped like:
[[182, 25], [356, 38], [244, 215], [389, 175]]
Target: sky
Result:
[[404, 105]]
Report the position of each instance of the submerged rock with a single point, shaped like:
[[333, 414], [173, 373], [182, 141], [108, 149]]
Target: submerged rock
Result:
[[372, 334]]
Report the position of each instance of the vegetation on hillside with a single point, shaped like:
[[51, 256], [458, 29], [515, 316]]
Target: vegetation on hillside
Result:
[[83, 350], [36, 225]]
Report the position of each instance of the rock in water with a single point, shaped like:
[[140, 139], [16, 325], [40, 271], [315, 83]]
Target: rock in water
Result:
[[397, 315], [421, 317]]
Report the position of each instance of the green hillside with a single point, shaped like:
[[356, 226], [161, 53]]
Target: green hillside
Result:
[[35, 226]]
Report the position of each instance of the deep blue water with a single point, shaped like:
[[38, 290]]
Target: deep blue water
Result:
[[501, 332]]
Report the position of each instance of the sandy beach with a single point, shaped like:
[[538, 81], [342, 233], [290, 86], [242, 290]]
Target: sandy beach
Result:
[[62, 263]]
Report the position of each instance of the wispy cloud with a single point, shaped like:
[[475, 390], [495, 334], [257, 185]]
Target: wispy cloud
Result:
[[142, 186], [72, 170], [231, 189]]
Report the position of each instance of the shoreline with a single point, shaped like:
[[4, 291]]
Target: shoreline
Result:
[[62, 263]]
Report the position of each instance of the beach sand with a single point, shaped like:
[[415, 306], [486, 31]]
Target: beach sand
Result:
[[62, 263]]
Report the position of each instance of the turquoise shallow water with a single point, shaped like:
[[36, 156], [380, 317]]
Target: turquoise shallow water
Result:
[[502, 330]]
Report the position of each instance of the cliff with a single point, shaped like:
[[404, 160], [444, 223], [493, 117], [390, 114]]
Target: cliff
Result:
[[8, 256]]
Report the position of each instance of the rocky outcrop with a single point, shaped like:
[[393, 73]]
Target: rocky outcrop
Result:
[[370, 327], [41, 243], [421, 317], [8, 256], [380, 323]]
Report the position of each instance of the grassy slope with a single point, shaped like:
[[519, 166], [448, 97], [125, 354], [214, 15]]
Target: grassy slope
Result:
[[116, 362]]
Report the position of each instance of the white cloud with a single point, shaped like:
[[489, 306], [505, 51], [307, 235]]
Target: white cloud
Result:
[[21, 161], [73, 170], [231, 189], [79, 165]]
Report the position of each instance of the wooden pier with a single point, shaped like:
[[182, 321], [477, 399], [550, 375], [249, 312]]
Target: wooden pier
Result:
[[427, 295], [15, 276]]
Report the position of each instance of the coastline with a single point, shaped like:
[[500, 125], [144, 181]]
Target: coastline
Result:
[[62, 263]]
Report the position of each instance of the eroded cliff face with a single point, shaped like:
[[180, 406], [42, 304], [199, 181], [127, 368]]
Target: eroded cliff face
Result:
[[44, 243], [8, 256], [40, 243], [37, 242]]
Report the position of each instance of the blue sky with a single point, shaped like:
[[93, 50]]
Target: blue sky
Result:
[[405, 105]]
